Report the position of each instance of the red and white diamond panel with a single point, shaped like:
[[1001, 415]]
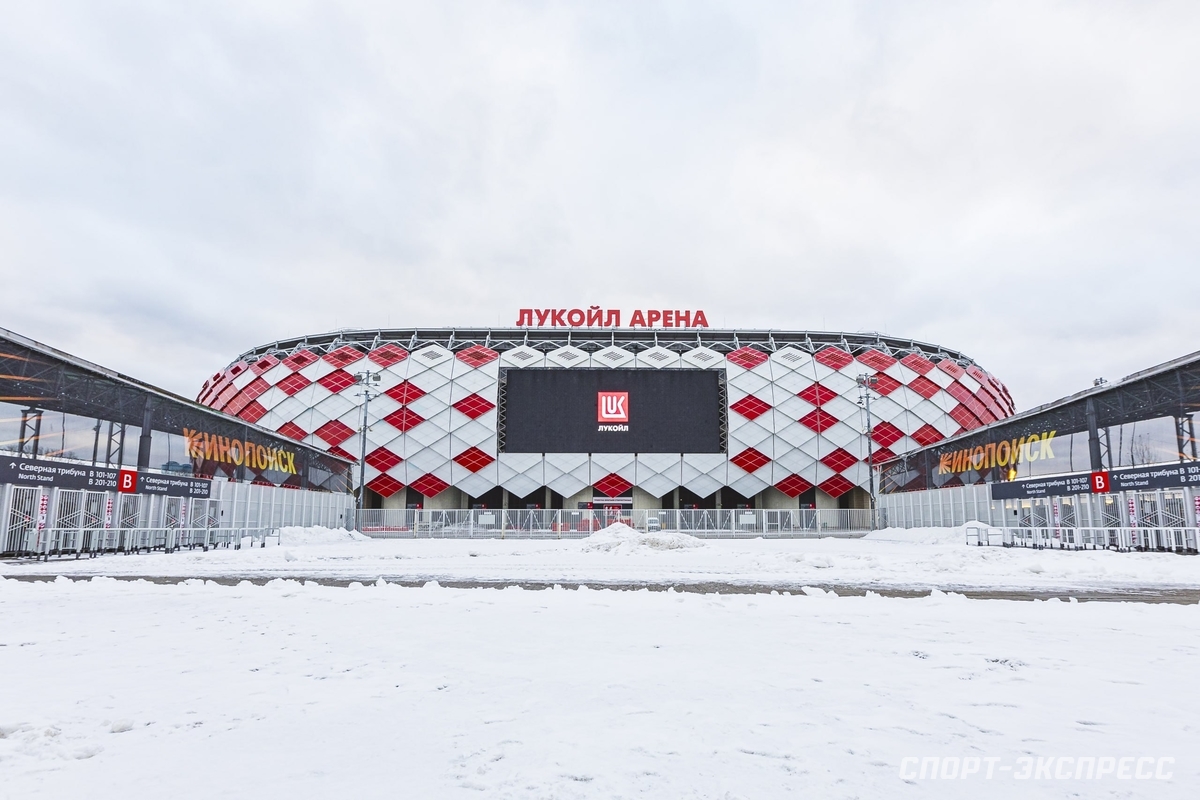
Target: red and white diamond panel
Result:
[[794, 419]]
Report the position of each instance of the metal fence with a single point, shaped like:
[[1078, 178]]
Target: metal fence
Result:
[[1160, 540], [566, 524], [1142, 521], [91, 542], [29, 513], [1162, 508], [941, 508]]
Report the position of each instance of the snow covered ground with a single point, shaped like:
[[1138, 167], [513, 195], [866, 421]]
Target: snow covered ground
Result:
[[120, 689], [920, 559]]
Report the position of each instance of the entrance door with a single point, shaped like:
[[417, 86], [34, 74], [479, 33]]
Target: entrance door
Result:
[[22, 520]]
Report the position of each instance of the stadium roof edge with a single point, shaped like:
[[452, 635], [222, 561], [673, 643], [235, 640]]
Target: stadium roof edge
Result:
[[503, 338]]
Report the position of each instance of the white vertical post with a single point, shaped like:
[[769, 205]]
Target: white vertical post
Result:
[[244, 490], [5, 504]]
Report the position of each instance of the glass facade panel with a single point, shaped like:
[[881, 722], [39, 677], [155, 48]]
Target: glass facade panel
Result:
[[1152, 441]]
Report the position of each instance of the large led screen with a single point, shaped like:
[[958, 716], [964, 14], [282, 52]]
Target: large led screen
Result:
[[612, 411]]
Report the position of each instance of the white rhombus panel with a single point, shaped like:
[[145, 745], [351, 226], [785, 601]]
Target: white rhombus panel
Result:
[[658, 358], [657, 485], [429, 405], [883, 408], [840, 434], [703, 358], [658, 473], [567, 357], [704, 473], [943, 401], [609, 463], [480, 381], [747, 382], [613, 357], [857, 474], [749, 435], [522, 356], [747, 484], [335, 406], [427, 358], [310, 395], [939, 377], [901, 373], [479, 433], [516, 470], [276, 373], [477, 483], [317, 370], [568, 473], [659, 462], [271, 398], [428, 459], [817, 447], [793, 382], [796, 434]]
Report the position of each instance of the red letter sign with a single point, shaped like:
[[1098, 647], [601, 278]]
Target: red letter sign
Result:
[[1099, 482], [127, 481], [612, 407]]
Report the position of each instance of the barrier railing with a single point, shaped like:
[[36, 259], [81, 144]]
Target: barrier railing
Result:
[[1125, 540], [566, 524], [91, 542], [233, 505]]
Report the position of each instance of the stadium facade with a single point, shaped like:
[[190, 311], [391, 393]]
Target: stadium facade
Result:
[[667, 417]]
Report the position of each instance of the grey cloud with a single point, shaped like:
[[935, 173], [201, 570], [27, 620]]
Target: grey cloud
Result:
[[1017, 180]]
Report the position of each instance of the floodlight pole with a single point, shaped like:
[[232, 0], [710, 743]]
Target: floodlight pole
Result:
[[865, 384], [363, 379]]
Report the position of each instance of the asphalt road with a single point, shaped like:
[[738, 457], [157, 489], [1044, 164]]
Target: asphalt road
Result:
[[1142, 595]]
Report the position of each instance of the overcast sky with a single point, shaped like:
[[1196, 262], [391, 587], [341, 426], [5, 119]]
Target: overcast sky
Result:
[[1016, 180]]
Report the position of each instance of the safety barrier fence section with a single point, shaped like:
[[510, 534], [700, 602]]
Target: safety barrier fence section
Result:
[[1125, 540], [91, 542], [567, 524], [233, 506], [942, 508], [1150, 510]]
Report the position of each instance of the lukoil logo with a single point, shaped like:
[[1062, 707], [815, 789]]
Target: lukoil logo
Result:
[[612, 407]]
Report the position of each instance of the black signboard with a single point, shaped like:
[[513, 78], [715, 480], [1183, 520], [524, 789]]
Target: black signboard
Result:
[[1131, 479], [174, 485], [1163, 476], [30, 472], [1058, 486], [613, 411], [63, 475]]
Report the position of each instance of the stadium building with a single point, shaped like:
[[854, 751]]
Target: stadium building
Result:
[[662, 418], [96, 461], [1115, 465]]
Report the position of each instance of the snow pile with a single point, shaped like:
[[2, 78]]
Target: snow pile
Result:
[[620, 538], [319, 535], [956, 535]]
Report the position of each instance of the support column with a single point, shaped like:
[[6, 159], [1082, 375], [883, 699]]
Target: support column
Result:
[[1093, 436], [143, 460]]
